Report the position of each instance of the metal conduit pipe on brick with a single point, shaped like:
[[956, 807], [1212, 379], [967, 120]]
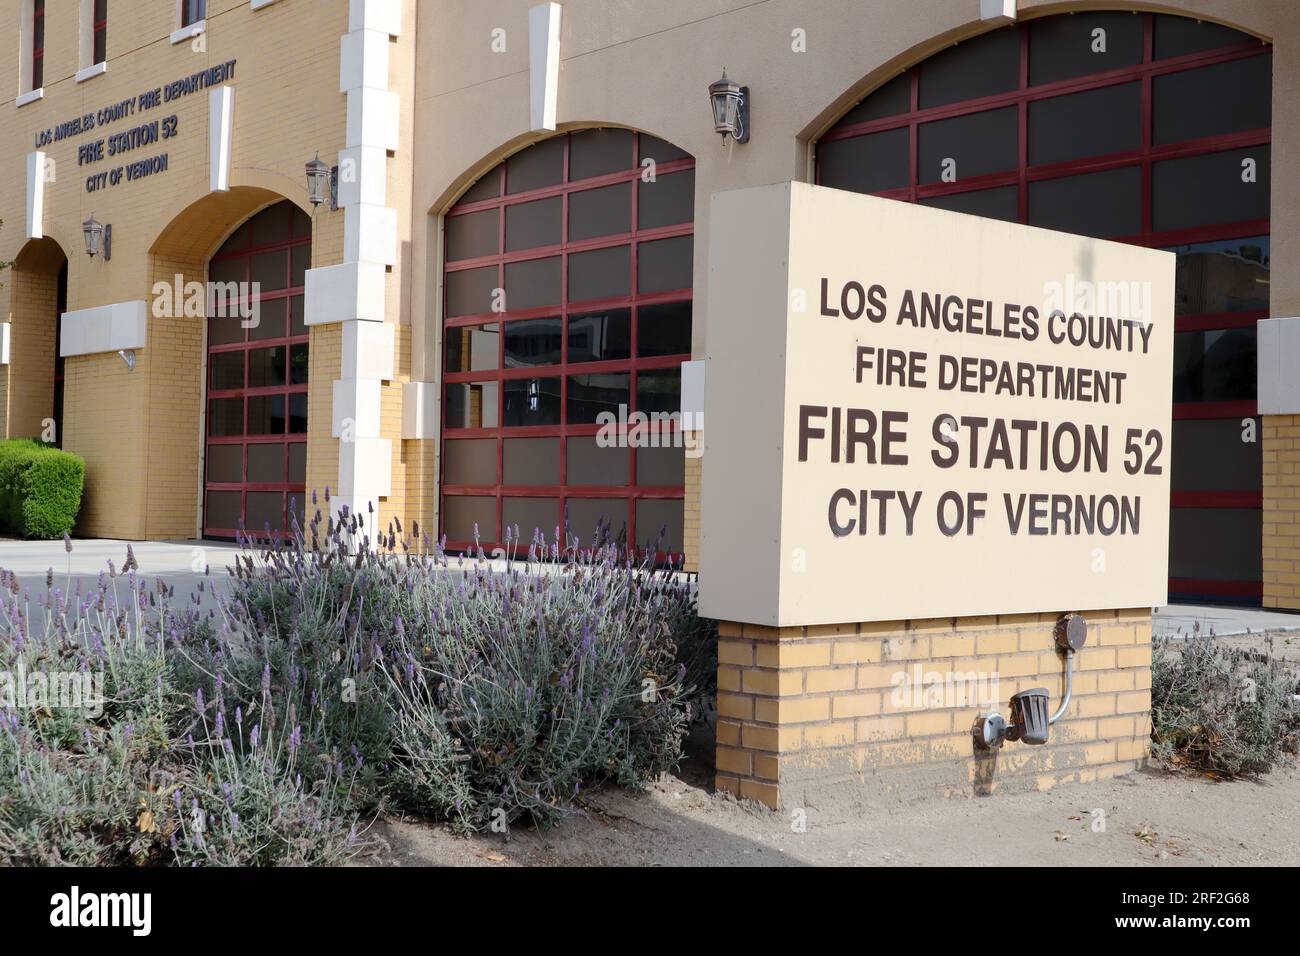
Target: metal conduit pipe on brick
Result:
[[1029, 722]]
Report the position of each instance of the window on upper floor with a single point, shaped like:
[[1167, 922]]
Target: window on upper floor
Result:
[[38, 44], [192, 11], [99, 32]]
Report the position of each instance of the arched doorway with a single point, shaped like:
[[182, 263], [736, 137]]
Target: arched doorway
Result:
[[35, 385], [567, 302], [1144, 128], [257, 368]]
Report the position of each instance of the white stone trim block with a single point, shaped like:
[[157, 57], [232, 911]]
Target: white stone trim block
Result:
[[384, 16], [105, 328], [368, 349], [693, 395], [366, 470], [355, 505], [92, 71], [189, 32], [544, 64], [37, 170], [341, 293], [419, 410], [5, 329], [221, 130], [1279, 366], [370, 234], [259, 4], [363, 176], [997, 9], [31, 96], [356, 408], [373, 118], [363, 60]]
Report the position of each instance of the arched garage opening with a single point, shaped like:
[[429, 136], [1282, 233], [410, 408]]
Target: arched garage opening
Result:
[[38, 297], [567, 303], [1138, 127], [257, 368], [233, 386]]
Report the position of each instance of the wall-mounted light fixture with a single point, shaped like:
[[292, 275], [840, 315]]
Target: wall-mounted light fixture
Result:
[[730, 102], [99, 238], [322, 182], [1029, 721], [127, 356]]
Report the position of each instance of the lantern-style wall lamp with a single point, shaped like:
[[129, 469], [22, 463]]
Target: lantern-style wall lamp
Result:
[[730, 102], [322, 182], [99, 238]]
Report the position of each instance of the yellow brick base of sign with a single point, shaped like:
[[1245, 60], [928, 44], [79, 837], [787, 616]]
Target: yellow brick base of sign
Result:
[[889, 707]]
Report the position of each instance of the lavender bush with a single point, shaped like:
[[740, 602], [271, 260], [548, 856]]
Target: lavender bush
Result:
[[475, 693], [1225, 711], [106, 759], [335, 677]]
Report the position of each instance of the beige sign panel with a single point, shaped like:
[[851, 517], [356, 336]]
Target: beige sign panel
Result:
[[914, 413]]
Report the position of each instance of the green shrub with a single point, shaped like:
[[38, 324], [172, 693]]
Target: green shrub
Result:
[[40, 489], [1219, 710]]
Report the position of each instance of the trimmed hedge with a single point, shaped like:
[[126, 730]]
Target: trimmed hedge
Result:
[[40, 489]]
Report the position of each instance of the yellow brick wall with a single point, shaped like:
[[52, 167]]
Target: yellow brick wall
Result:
[[106, 426], [407, 497], [421, 459], [173, 366], [32, 314], [395, 505], [1281, 540], [691, 511], [802, 710], [325, 355]]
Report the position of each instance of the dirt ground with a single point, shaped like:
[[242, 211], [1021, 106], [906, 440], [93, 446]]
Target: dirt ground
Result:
[[1147, 818], [1151, 819]]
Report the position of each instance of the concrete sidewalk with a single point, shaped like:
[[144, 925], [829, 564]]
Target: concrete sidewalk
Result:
[[181, 564], [1182, 619]]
